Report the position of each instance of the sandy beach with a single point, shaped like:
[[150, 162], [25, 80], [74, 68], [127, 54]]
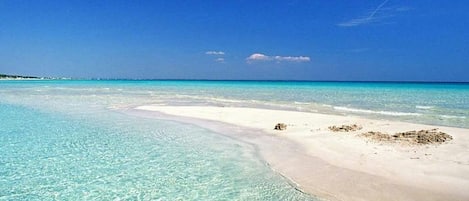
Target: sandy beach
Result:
[[340, 165]]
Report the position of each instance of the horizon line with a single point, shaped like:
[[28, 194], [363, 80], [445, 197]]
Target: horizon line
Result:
[[244, 80]]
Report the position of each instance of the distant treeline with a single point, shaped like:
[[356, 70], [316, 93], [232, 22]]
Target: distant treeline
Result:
[[17, 76]]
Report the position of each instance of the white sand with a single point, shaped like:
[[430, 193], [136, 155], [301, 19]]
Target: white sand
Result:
[[343, 166]]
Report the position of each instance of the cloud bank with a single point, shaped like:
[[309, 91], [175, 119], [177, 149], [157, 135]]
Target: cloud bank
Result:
[[262, 57]]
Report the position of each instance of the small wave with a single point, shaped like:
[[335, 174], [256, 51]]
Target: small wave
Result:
[[225, 100], [301, 103], [452, 117], [423, 107], [377, 112]]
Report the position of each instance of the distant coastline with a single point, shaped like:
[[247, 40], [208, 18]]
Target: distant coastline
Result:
[[26, 77], [18, 77]]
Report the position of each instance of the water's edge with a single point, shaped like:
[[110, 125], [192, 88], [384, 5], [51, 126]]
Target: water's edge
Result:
[[300, 164]]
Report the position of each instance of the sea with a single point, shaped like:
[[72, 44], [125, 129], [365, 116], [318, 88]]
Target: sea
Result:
[[73, 140]]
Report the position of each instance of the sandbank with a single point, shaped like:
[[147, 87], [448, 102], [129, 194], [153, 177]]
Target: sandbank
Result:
[[340, 165]]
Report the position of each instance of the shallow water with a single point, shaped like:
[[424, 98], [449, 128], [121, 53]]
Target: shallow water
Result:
[[114, 156], [445, 104], [70, 140]]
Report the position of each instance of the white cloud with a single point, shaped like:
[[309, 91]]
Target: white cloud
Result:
[[258, 57], [215, 53], [376, 15], [293, 59], [263, 57], [220, 60], [218, 54]]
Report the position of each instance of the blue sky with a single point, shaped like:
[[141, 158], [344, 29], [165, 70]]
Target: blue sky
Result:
[[388, 40]]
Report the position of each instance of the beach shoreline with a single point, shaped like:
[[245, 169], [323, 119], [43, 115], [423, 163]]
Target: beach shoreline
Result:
[[338, 166]]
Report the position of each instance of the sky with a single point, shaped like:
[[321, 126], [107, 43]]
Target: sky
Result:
[[368, 40]]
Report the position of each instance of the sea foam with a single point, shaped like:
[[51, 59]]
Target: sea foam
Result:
[[452, 117], [423, 107], [390, 113]]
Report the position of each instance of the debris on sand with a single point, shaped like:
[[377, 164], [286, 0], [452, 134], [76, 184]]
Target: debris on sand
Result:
[[345, 128], [280, 126], [413, 137]]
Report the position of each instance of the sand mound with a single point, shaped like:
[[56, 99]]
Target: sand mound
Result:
[[345, 128], [414, 137]]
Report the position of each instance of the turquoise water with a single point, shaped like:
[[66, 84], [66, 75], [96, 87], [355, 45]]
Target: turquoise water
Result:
[[48, 156], [444, 104], [70, 140]]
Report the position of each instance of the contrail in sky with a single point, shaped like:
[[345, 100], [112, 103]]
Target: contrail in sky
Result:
[[376, 10]]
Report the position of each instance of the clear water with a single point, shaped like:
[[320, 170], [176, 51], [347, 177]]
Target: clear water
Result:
[[69, 140], [48, 156], [444, 104]]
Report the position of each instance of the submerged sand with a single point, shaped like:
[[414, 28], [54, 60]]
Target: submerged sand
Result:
[[341, 165]]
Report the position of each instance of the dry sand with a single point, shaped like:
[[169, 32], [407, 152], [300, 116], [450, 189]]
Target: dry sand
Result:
[[342, 165]]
